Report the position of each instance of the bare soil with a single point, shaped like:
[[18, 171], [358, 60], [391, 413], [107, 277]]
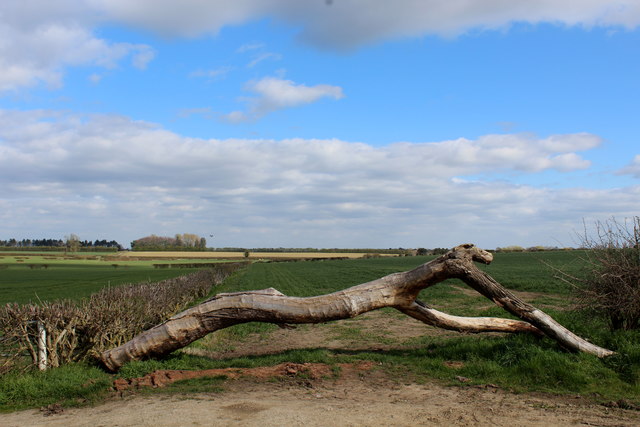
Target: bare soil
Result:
[[356, 398]]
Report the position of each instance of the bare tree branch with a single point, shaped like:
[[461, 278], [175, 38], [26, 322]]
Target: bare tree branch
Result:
[[398, 290]]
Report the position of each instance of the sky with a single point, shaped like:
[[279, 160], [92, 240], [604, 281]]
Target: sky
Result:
[[319, 123]]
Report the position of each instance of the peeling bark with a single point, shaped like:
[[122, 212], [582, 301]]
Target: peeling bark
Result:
[[398, 290]]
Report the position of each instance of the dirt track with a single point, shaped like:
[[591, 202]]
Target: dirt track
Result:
[[360, 399]]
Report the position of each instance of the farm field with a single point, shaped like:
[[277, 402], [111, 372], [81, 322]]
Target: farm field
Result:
[[239, 255], [32, 277], [404, 358]]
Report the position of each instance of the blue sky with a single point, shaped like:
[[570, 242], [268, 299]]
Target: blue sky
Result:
[[319, 124]]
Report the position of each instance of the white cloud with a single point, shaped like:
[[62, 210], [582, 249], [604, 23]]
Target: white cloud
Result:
[[518, 152], [205, 112], [38, 39], [263, 57], [235, 117], [139, 179], [249, 47], [632, 169], [95, 78], [348, 23], [213, 74], [277, 94], [142, 55]]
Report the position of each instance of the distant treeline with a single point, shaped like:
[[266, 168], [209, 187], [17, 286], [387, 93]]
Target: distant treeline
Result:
[[182, 242], [515, 248], [59, 244], [398, 251]]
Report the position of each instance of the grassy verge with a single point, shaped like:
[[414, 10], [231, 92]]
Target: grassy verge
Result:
[[72, 385]]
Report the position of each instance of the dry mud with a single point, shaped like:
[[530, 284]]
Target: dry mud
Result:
[[358, 398]]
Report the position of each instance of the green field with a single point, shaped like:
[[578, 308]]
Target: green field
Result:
[[519, 363], [70, 277], [518, 271], [28, 277]]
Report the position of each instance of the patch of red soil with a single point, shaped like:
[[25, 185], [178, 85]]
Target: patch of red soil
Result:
[[163, 378]]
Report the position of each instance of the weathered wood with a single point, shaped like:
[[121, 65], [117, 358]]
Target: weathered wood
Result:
[[42, 346], [398, 290], [430, 316]]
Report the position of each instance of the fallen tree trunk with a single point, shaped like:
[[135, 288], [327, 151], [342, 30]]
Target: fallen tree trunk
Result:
[[398, 290]]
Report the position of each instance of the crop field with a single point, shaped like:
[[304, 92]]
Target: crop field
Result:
[[518, 271], [236, 255], [32, 277], [400, 347]]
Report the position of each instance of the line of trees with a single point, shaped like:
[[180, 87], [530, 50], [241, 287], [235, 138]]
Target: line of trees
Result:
[[317, 250], [60, 243], [181, 242]]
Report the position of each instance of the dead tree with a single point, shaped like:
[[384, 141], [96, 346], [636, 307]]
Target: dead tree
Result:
[[398, 290]]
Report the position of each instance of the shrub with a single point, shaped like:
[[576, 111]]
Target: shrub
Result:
[[610, 286], [370, 255]]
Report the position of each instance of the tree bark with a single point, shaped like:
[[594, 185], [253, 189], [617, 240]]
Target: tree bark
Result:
[[398, 290]]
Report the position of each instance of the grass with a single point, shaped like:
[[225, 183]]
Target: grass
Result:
[[194, 385], [74, 276], [71, 385], [534, 271], [518, 363], [24, 278], [311, 278], [71, 281]]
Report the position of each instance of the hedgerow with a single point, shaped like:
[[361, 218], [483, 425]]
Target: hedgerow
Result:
[[78, 331]]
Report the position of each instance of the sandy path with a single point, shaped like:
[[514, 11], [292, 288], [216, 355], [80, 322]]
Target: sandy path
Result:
[[343, 402]]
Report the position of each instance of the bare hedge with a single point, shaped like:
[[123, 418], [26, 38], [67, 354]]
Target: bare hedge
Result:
[[80, 330], [611, 286]]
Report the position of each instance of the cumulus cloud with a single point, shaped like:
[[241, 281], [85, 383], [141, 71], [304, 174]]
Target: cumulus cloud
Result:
[[521, 152], [109, 174], [348, 23], [276, 94], [40, 39]]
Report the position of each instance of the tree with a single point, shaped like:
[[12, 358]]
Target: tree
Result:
[[180, 242], [72, 243], [398, 290]]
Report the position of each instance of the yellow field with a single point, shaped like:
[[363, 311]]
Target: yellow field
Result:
[[252, 255]]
